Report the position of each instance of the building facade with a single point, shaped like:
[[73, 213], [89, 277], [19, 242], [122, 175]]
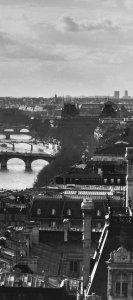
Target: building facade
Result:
[[120, 275]]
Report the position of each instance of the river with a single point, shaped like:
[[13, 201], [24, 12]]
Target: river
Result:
[[15, 177]]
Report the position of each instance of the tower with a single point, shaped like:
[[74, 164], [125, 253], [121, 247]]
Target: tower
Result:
[[87, 207], [116, 94], [126, 94], [129, 177]]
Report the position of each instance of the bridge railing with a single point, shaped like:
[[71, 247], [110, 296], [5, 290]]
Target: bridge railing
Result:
[[26, 152]]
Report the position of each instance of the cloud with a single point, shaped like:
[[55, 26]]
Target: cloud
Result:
[[5, 40], [106, 25], [14, 49], [118, 3], [38, 3], [128, 4], [27, 52], [68, 24]]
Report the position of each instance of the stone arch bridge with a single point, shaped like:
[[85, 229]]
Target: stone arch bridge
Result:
[[27, 157]]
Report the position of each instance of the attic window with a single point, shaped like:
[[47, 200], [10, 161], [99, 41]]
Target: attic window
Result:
[[69, 212], [98, 213], [73, 266], [53, 212], [39, 211], [53, 225], [99, 225]]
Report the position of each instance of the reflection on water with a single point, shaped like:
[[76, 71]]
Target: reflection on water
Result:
[[20, 137], [15, 177], [16, 137]]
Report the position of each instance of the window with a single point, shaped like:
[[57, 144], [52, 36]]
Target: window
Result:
[[118, 180], [124, 289], [98, 213], [112, 180], [53, 225], [100, 171], [118, 288], [2, 217], [39, 211], [69, 212], [73, 266], [53, 212], [105, 180], [121, 285], [121, 289], [99, 225]]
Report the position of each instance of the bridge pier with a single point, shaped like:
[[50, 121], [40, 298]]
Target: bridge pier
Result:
[[31, 149], [7, 136], [28, 165], [3, 164], [13, 146]]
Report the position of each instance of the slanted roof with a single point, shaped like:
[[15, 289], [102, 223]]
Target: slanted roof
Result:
[[61, 207], [23, 269]]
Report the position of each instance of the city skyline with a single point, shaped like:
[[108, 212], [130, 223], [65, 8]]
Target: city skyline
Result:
[[76, 47]]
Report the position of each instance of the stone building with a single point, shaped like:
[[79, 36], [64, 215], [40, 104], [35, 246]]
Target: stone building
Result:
[[120, 275], [60, 248]]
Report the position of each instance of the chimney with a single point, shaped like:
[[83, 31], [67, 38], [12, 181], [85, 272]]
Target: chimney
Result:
[[32, 228]]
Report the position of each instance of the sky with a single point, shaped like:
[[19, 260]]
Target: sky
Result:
[[66, 47]]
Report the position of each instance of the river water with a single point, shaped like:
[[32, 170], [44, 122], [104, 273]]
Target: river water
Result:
[[15, 177]]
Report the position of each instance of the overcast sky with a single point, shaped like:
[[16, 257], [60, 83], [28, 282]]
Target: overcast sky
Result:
[[67, 47]]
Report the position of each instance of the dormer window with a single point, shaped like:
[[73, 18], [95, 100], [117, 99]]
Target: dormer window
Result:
[[98, 225], [118, 180], [39, 211], [98, 213], [69, 212], [53, 212]]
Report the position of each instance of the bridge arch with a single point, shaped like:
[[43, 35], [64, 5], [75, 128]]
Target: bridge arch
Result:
[[38, 164], [12, 162], [24, 130], [2, 136], [8, 130], [27, 157]]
